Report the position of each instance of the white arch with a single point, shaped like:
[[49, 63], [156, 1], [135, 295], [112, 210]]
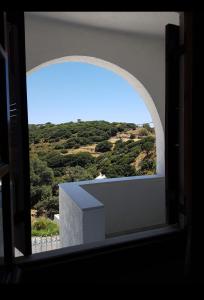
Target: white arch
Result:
[[137, 85]]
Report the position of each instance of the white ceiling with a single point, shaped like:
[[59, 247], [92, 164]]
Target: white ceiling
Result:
[[135, 22]]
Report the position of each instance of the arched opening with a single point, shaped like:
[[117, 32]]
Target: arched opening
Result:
[[116, 224], [139, 88]]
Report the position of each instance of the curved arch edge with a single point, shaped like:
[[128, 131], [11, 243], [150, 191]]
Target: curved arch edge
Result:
[[137, 85]]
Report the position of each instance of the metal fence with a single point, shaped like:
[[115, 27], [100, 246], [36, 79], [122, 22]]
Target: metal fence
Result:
[[42, 243]]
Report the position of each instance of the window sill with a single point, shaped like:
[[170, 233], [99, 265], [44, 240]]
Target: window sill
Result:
[[110, 244]]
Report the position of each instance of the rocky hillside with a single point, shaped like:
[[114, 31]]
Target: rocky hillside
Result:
[[82, 150]]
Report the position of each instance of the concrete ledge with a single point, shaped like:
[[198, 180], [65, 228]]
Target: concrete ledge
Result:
[[82, 218], [83, 199], [123, 179]]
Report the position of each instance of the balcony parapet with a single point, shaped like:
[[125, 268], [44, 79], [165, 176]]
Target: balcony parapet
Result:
[[97, 209], [82, 218]]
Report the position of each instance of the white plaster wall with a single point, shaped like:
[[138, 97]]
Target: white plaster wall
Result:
[[142, 56], [71, 221], [130, 203], [82, 218], [89, 210]]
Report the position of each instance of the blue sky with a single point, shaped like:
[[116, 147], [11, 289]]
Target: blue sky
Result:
[[69, 91]]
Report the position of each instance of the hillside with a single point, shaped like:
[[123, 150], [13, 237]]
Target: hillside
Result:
[[80, 151]]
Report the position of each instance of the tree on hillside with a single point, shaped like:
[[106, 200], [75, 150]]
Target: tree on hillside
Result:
[[40, 173], [40, 193], [82, 159], [54, 159], [77, 173], [51, 206], [41, 179], [143, 132], [113, 131], [148, 165], [118, 169], [119, 146], [147, 147], [103, 146], [148, 127], [148, 144]]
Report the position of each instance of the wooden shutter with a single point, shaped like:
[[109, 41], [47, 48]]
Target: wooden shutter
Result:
[[4, 150], [172, 135], [18, 146]]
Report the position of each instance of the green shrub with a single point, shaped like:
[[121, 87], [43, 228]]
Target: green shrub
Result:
[[103, 146], [147, 147], [59, 146], [143, 132], [44, 227], [81, 159], [63, 151], [78, 173], [148, 164], [50, 206]]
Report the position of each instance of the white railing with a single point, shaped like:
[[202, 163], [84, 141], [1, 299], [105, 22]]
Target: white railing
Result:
[[42, 243]]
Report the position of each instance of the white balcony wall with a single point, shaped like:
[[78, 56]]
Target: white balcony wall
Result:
[[130, 203], [92, 210], [82, 218]]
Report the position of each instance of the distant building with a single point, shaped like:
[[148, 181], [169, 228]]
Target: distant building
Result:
[[100, 176], [57, 218]]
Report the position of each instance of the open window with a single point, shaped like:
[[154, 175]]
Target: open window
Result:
[[14, 168]]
